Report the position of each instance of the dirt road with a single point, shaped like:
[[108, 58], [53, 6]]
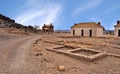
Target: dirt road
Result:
[[14, 54]]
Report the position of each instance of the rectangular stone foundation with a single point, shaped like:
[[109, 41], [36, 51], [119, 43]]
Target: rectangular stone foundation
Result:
[[88, 54], [79, 53]]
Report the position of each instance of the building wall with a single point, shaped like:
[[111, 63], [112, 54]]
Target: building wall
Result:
[[96, 32], [99, 32], [116, 31], [50, 28]]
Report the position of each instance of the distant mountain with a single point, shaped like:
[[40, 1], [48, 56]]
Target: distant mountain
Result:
[[111, 32], [63, 31]]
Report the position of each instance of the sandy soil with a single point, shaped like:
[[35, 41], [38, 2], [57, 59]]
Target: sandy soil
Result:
[[21, 54], [51, 60]]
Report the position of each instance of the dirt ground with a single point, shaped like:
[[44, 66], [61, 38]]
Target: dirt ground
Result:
[[21, 54]]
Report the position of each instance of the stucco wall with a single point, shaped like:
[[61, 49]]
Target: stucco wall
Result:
[[116, 31], [96, 32], [99, 32]]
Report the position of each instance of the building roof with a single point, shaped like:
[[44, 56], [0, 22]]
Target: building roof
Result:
[[47, 25], [87, 25]]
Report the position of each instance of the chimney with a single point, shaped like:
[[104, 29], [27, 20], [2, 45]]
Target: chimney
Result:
[[99, 23], [51, 24], [75, 24], [118, 22]]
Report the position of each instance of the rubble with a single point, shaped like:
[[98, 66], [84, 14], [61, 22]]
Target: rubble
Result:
[[38, 54]]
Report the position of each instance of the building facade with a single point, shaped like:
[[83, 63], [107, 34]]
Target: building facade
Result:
[[87, 29], [48, 28], [117, 29]]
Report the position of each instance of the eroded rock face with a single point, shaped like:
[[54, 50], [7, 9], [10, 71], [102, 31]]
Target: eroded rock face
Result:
[[6, 21]]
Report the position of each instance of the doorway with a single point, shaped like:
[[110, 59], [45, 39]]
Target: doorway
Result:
[[73, 32], [118, 33], [90, 32], [82, 33]]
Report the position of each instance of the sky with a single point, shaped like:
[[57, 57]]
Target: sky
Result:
[[62, 13]]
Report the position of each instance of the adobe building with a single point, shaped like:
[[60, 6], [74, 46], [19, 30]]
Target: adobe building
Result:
[[48, 28], [87, 29], [117, 29]]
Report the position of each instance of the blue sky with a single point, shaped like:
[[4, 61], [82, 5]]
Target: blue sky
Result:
[[62, 13]]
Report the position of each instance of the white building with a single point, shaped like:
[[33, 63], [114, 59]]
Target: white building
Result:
[[117, 29], [87, 29]]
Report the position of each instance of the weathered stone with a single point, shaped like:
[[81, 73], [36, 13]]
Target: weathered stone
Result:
[[37, 49], [61, 68], [46, 59], [80, 53], [39, 54]]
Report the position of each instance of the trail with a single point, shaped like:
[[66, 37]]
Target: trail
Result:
[[14, 55]]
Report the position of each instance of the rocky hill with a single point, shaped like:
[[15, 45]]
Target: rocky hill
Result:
[[10, 26]]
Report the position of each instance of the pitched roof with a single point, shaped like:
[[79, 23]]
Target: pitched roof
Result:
[[87, 25]]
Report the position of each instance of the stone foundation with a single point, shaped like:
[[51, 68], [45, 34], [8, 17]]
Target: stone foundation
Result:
[[79, 53]]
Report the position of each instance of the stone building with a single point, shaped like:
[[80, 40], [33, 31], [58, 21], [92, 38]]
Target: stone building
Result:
[[48, 28], [117, 29], [87, 29]]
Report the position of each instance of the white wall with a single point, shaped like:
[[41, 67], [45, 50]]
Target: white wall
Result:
[[116, 31], [100, 32], [96, 32]]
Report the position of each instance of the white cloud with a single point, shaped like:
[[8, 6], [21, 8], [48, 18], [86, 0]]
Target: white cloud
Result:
[[29, 15], [51, 15], [87, 6], [37, 15], [96, 19]]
